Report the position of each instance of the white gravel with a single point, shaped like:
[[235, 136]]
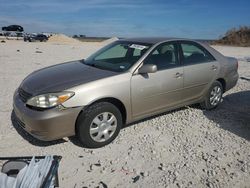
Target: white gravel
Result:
[[187, 147]]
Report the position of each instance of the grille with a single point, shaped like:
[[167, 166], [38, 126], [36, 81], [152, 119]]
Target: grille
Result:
[[24, 96]]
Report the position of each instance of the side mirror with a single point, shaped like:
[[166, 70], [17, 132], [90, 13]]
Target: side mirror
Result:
[[148, 68]]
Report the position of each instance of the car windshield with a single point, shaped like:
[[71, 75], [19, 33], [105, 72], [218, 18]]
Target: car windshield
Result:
[[118, 56]]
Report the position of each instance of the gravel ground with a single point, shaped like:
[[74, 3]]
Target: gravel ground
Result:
[[187, 147]]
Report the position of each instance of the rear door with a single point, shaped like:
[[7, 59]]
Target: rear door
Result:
[[155, 92], [200, 69]]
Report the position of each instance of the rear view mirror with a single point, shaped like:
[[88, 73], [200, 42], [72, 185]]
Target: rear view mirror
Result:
[[148, 68]]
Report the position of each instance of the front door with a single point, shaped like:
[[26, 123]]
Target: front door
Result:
[[155, 92]]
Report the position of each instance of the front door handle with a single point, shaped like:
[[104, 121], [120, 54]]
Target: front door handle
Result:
[[178, 75], [214, 67]]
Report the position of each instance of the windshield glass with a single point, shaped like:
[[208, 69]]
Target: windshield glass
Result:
[[118, 56]]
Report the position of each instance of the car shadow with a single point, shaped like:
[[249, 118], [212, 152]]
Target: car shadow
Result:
[[158, 115], [30, 138], [233, 114], [76, 142]]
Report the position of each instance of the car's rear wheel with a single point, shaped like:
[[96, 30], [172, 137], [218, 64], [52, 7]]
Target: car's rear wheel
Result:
[[213, 97], [98, 125]]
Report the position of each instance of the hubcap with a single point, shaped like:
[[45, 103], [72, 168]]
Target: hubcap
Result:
[[103, 127], [215, 96]]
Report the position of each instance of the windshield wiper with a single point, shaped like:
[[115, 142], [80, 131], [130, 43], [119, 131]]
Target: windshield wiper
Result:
[[96, 66], [83, 61]]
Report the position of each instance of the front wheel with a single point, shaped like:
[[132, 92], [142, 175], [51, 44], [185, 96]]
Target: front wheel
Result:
[[98, 125], [213, 97]]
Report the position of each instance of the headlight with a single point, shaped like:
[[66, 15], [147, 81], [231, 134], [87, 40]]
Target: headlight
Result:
[[50, 99]]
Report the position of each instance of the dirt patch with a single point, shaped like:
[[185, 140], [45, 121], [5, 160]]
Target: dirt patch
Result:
[[62, 39]]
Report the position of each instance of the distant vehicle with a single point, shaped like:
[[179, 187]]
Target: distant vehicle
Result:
[[123, 82], [38, 37], [19, 34], [47, 34], [13, 28]]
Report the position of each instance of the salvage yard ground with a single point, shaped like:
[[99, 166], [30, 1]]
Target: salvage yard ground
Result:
[[187, 147]]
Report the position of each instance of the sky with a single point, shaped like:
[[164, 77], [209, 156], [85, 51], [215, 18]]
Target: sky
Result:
[[197, 19]]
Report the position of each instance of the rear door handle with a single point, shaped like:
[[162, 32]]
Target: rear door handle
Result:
[[214, 67], [178, 75]]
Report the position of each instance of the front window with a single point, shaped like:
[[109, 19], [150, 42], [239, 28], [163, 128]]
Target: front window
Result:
[[163, 56], [118, 56]]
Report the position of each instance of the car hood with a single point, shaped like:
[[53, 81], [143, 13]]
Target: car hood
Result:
[[61, 77]]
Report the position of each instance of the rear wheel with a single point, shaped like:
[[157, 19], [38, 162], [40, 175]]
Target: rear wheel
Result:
[[98, 125], [213, 97]]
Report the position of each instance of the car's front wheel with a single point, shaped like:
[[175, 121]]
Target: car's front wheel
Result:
[[98, 125], [213, 97]]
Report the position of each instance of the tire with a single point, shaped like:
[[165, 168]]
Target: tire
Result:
[[105, 121], [213, 97]]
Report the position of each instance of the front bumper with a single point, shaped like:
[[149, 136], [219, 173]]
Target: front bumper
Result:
[[45, 125]]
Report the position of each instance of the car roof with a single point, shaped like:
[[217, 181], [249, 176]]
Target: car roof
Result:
[[152, 40]]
